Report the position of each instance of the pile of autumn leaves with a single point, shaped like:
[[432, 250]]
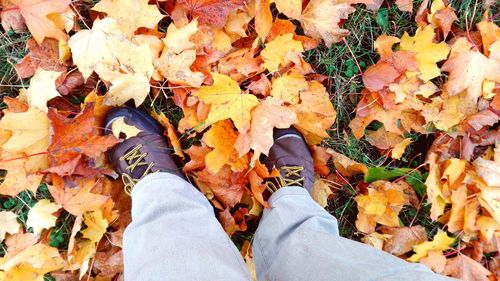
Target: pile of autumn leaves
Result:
[[237, 72]]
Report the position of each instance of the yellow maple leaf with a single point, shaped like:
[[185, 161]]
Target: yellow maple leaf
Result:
[[381, 205], [221, 137], [399, 149], [34, 261], [28, 136], [96, 226], [42, 88], [315, 113], [291, 8], [227, 101], [40, 216], [176, 68], [288, 87], [120, 127], [321, 19], [130, 14], [275, 52], [178, 38], [107, 51], [8, 224], [427, 53], [440, 242]]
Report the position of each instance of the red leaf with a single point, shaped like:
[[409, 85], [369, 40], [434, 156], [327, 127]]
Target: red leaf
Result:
[[74, 138], [212, 12]]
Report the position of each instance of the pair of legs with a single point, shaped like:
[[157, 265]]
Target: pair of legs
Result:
[[174, 234]]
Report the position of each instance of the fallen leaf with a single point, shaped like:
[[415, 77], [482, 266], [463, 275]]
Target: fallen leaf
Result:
[[212, 12], [40, 216], [399, 149], [42, 89], [76, 200], [381, 205], [320, 192], [170, 133], [32, 263], [177, 39], [45, 56], [435, 260], [440, 242], [119, 127], [290, 8], [465, 268], [467, 70], [288, 87], [8, 224], [96, 226], [321, 19], [176, 68], [263, 18], [275, 52], [315, 113], [427, 53], [405, 5], [402, 239], [227, 101], [221, 137], [35, 14], [130, 15], [268, 115], [74, 138], [11, 17]]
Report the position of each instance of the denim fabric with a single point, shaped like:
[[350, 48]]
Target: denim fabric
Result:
[[174, 235]]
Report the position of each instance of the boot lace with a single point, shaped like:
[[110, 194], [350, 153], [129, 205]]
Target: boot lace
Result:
[[134, 159], [289, 176]]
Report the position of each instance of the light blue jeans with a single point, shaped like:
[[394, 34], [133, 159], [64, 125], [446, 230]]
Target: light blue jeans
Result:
[[174, 235]]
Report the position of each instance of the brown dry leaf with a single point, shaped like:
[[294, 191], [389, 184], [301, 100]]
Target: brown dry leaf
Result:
[[11, 17], [45, 56], [383, 139], [197, 156], [465, 268], [402, 239], [442, 16], [35, 14], [321, 19], [405, 5]]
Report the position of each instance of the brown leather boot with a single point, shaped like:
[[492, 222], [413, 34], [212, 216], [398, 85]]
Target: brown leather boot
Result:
[[139, 156], [290, 155]]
